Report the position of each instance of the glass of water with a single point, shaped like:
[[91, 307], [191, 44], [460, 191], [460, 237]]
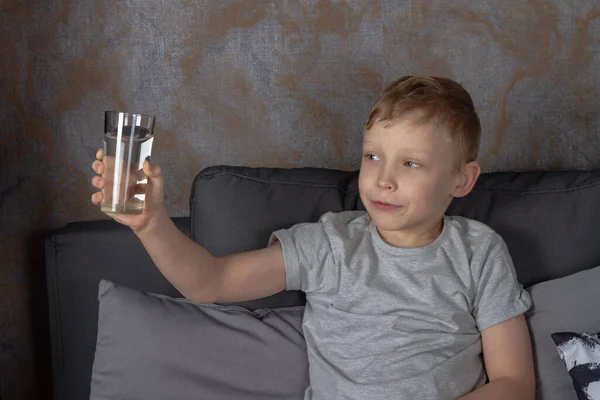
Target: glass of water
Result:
[[128, 141]]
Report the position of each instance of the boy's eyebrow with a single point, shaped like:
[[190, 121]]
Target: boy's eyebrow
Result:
[[415, 150], [408, 149]]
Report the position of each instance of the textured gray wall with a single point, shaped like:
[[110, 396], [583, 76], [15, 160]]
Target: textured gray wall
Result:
[[257, 83]]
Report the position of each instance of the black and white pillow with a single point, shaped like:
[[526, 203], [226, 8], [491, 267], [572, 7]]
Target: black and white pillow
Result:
[[581, 354]]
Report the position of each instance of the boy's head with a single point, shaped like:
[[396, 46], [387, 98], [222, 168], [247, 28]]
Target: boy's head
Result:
[[419, 151], [432, 100]]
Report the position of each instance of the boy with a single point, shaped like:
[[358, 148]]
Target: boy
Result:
[[402, 301]]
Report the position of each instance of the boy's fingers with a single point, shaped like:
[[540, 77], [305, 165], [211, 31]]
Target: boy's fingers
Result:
[[97, 198], [137, 202], [98, 167], [155, 186], [99, 154], [152, 170], [140, 188], [119, 218], [140, 175], [98, 182], [124, 219]]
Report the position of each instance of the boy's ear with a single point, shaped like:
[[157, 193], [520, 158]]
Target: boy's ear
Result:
[[467, 176]]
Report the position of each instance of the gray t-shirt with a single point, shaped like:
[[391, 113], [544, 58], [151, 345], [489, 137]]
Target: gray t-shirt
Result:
[[383, 322]]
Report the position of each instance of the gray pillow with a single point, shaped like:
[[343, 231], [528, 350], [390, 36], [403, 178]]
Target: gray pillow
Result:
[[565, 304], [154, 347]]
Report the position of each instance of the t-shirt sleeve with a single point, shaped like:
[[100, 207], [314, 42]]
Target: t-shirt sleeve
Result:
[[309, 262], [499, 294]]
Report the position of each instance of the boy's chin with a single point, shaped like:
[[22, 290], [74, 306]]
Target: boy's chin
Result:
[[391, 223], [387, 223]]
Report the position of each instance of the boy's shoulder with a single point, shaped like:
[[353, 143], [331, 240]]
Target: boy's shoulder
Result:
[[472, 232], [469, 225]]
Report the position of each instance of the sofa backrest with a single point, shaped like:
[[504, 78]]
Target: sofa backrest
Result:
[[549, 220], [78, 256]]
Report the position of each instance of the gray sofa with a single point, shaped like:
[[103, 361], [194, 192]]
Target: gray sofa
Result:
[[550, 221]]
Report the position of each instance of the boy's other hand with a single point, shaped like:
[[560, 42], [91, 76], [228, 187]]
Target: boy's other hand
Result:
[[153, 205]]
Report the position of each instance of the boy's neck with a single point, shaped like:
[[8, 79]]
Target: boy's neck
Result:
[[414, 238]]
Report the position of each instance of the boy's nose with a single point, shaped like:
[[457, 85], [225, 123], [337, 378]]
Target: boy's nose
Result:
[[385, 183]]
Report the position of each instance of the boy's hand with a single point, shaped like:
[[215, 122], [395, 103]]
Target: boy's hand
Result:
[[153, 205]]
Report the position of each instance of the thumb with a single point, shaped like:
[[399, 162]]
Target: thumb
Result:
[[152, 170], [155, 185]]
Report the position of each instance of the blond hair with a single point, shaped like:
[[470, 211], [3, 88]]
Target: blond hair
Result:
[[433, 99]]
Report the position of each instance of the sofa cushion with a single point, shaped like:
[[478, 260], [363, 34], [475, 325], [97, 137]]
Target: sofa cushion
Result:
[[580, 351], [549, 220], [154, 347], [565, 304]]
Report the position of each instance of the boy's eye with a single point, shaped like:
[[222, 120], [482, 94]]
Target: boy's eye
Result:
[[411, 164], [371, 157]]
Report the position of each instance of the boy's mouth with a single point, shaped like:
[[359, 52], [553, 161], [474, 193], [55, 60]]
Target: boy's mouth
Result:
[[384, 206]]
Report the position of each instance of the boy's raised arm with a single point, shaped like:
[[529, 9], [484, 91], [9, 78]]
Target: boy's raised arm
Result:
[[203, 278], [197, 274]]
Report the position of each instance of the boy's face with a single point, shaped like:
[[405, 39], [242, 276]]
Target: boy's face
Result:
[[407, 180]]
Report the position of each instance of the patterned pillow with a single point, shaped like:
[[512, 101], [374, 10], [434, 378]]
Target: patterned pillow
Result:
[[581, 354]]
